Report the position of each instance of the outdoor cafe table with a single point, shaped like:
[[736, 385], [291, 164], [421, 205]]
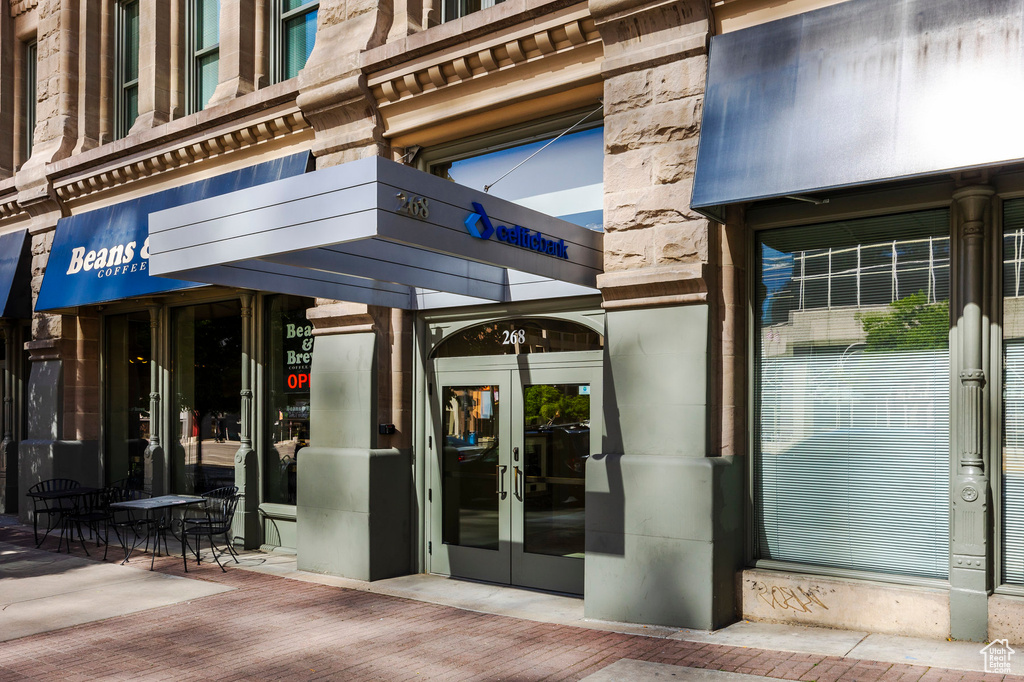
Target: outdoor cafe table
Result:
[[152, 506], [66, 501]]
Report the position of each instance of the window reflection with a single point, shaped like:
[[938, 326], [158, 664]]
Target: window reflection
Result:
[[206, 366], [127, 370], [566, 180]]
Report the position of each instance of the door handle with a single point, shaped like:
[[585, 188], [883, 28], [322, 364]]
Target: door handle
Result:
[[516, 489], [502, 494]]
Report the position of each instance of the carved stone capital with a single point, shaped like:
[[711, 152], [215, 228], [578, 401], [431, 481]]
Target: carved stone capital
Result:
[[646, 287], [340, 318]]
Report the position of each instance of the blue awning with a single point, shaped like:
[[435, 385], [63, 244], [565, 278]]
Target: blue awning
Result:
[[857, 93], [15, 275], [103, 255]]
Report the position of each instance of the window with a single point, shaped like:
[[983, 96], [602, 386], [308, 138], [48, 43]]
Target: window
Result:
[[1012, 491], [28, 103], [453, 9], [851, 464], [289, 346], [204, 74], [127, 92], [127, 374], [564, 179], [296, 28], [206, 380]]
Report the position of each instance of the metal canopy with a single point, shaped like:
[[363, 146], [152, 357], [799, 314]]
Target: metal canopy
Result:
[[860, 92], [342, 233]]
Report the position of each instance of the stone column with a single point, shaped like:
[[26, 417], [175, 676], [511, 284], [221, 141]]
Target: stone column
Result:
[[56, 131], [155, 30], [333, 94], [237, 50], [969, 575], [155, 482], [106, 71], [664, 499], [92, 38], [7, 78], [247, 522]]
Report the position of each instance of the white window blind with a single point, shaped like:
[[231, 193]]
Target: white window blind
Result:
[[1013, 394], [852, 449]]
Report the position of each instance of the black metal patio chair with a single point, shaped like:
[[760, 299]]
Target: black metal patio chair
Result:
[[54, 508], [219, 513], [91, 510]]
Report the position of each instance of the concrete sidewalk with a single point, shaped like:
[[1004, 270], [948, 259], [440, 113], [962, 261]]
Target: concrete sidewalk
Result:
[[263, 619]]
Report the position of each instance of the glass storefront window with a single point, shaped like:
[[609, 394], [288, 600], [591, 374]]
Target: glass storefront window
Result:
[[289, 350], [127, 377], [206, 380], [852, 370], [565, 180], [1012, 522]]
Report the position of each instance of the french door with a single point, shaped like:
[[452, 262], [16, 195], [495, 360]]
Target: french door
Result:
[[508, 461]]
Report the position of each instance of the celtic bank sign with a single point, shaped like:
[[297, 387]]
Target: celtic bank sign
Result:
[[479, 225]]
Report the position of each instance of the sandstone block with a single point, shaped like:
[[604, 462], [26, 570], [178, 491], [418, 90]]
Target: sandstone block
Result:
[[680, 79], [685, 242], [628, 91], [674, 162], [629, 169], [627, 250], [653, 125]]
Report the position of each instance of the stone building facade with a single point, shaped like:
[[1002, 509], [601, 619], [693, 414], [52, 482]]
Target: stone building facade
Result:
[[669, 345]]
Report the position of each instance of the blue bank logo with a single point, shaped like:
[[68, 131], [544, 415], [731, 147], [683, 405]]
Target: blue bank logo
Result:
[[479, 225]]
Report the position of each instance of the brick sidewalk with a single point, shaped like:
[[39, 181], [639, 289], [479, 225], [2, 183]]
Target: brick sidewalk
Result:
[[272, 628]]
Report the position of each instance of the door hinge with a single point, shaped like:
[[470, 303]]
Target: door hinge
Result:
[[430, 494], [430, 442], [430, 548]]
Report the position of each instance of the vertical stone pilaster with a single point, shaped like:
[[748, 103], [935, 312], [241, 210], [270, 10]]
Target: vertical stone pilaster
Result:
[[91, 38], [8, 74], [177, 59], [237, 50], [261, 29], [56, 131], [333, 94], [153, 458], [105, 77], [155, 31], [970, 569], [247, 522]]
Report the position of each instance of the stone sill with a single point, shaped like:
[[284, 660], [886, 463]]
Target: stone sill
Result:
[[463, 31], [230, 113]]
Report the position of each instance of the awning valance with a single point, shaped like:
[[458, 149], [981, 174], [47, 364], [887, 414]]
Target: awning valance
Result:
[[103, 255], [378, 232], [860, 92], [15, 275]]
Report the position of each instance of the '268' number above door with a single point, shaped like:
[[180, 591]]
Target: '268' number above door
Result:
[[511, 337], [417, 207]]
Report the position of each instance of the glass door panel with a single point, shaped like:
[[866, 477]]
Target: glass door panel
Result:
[[471, 484], [472, 479], [556, 445]]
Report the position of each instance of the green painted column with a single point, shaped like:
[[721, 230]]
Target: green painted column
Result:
[[153, 458], [9, 446], [971, 523], [247, 521]]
